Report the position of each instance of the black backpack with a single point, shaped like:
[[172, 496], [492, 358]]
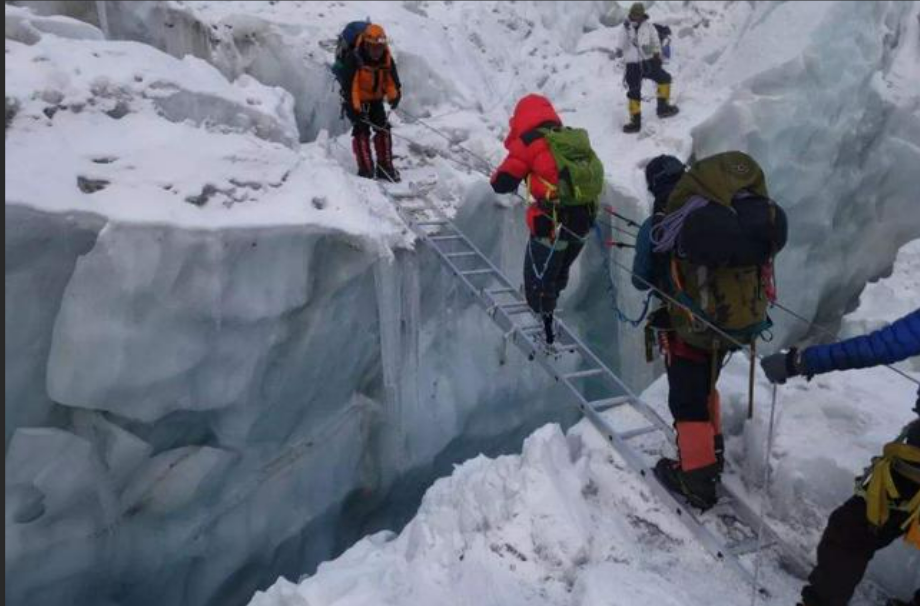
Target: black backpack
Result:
[[345, 47], [664, 34]]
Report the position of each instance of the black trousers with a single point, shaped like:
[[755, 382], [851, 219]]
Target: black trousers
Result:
[[690, 381], [636, 72], [547, 267], [376, 115], [847, 545]]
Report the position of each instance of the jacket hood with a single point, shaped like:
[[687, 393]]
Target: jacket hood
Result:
[[531, 111]]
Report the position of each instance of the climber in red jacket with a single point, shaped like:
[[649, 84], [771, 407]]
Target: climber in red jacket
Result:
[[557, 228]]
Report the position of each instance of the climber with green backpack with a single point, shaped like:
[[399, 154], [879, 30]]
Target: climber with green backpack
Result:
[[712, 239], [564, 180]]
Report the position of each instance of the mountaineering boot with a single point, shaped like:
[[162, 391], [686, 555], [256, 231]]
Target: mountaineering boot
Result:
[[361, 146], [635, 117], [697, 486], [383, 145], [665, 109], [548, 328], [696, 475]]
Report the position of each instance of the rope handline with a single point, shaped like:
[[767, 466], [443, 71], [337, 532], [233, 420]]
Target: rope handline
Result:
[[766, 493], [683, 306], [625, 219], [440, 133], [621, 316]]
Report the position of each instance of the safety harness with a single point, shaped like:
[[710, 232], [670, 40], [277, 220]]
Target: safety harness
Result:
[[879, 488]]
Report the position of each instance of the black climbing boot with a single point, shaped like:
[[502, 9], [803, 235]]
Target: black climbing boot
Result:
[[388, 173], [698, 486], [665, 109], [634, 125]]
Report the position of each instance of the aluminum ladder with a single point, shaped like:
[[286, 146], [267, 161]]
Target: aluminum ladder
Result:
[[505, 305]]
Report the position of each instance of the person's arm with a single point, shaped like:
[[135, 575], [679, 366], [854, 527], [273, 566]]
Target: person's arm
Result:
[[643, 264], [394, 87], [897, 341], [509, 175]]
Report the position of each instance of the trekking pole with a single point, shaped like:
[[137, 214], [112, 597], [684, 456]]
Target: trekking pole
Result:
[[751, 379]]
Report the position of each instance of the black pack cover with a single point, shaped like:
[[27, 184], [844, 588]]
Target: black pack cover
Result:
[[750, 233]]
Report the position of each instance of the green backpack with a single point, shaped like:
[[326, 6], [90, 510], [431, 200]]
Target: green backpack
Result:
[[581, 173], [732, 298]]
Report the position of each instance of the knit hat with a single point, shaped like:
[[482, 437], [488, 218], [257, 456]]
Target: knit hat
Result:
[[636, 10]]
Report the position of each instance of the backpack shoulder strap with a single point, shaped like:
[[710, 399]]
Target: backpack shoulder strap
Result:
[[539, 132]]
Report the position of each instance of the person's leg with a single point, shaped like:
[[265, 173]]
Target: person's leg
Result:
[[634, 97], [361, 146], [695, 474], [383, 142], [846, 547], [576, 224], [542, 262], [657, 73]]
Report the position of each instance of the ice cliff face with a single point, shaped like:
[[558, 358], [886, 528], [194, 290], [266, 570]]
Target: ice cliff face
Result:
[[226, 358], [836, 126]]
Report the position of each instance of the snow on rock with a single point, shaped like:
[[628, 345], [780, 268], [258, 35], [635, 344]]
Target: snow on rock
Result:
[[22, 25]]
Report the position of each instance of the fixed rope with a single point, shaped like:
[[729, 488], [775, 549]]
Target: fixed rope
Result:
[[447, 137], [767, 476]]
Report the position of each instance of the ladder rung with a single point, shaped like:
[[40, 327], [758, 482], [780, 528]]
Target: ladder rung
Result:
[[635, 433], [440, 238], [501, 291], [746, 546], [515, 304], [531, 328], [517, 311], [430, 223], [476, 272], [468, 253], [608, 403], [581, 374]]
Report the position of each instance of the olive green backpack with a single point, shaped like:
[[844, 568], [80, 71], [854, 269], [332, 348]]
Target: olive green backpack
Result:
[[732, 298]]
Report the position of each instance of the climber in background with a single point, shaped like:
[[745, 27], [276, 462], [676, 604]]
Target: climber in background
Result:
[[887, 500], [564, 179], [367, 75], [640, 44]]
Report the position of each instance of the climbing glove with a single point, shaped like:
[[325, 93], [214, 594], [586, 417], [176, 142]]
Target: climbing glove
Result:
[[780, 366]]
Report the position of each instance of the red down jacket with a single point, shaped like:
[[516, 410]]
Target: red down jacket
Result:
[[529, 156]]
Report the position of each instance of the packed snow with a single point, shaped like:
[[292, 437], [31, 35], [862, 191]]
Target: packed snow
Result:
[[565, 522], [241, 361]]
